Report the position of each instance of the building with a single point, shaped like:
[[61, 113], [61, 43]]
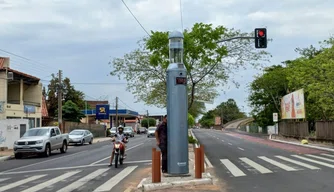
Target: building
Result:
[[20, 95]]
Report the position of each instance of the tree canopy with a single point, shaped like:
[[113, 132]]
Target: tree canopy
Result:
[[209, 64], [311, 71], [71, 112], [69, 94]]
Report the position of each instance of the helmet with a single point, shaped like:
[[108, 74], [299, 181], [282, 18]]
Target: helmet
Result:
[[120, 128]]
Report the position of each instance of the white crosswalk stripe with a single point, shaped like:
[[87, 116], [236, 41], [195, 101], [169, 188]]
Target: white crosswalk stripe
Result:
[[266, 165], [71, 181]]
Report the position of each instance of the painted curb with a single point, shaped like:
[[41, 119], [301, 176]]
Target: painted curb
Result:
[[309, 146], [193, 182], [4, 158], [207, 161]]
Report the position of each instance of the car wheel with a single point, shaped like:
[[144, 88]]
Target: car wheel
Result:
[[82, 142], [91, 141], [64, 147], [47, 151]]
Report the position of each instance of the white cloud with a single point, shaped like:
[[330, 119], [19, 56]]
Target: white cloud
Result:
[[80, 37]]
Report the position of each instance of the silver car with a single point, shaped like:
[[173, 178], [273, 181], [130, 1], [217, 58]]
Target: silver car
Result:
[[81, 136], [112, 131], [128, 131], [151, 131]]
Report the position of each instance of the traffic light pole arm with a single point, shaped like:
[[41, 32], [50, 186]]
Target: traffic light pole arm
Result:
[[229, 39]]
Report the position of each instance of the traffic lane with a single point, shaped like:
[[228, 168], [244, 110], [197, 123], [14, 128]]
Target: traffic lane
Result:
[[253, 146], [282, 181], [55, 155], [142, 153], [84, 157]]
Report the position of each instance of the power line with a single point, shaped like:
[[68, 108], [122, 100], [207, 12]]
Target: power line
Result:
[[135, 18], [181, 15], [88, 83]]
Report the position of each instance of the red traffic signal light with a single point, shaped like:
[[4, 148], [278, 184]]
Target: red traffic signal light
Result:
[[260, 38]]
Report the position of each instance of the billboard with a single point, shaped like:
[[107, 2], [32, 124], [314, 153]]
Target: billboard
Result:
[[293, 105], [217, 121], [102, 111]]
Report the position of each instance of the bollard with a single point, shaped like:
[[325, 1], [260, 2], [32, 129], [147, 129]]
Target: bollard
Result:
[[202, 159], [158, 167], [153, 165], [198, 172]]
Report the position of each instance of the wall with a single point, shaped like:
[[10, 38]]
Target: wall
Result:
[[14, 93], [33, 93], [3, 94], [96, 129], [10, 131]]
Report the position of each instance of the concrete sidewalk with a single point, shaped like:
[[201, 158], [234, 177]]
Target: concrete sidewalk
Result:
[[9, 154], [172, 183], [323, 147]]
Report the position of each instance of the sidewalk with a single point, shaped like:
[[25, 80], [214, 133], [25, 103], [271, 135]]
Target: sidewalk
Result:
[[186, 183], [8, 153], [292, 141]]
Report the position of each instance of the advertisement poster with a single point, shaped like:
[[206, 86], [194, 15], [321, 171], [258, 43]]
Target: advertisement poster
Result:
[[293, 105]]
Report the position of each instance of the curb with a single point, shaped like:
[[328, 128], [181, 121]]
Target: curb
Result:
[[5, 158], [309, 146], [157, 186], [207, 162]]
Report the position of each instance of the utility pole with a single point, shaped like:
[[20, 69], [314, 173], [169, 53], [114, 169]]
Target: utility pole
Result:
[[60, 101], [116, 112], [148, 120]]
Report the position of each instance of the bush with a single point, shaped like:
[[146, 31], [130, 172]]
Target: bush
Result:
[[192, 140]]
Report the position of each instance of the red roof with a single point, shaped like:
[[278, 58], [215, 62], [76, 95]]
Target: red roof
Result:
[[20, 73], [44, 108], [2, 62]]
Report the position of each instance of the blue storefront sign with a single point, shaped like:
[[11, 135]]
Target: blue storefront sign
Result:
[[102, 111], [29, 109]]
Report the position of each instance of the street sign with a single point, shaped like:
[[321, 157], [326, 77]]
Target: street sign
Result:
[[102, 111], [275, 117]]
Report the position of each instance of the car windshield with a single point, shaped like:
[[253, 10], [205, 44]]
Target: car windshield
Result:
[[77, 133], [151, 128], [36, 132], [113, 129], [128, 129]]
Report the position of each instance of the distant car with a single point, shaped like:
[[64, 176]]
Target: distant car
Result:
[[151, 131], [128, 131], [112, 131], [142, 130], [81, 136]]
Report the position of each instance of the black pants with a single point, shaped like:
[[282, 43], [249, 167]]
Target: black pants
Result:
[[163, 149]]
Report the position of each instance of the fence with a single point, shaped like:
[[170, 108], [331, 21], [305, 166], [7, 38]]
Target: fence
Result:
[[324, 130], [97, 130], [293, 129]]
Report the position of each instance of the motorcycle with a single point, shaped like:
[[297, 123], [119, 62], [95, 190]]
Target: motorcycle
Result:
[[119, 152]]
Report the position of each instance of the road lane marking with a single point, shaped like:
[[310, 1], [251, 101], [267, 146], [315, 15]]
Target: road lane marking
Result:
[[223, 141], [21, 182], [83, 180], [230, 143], [96, 162], [298, 162], [50, 182], [112, 182], [234, 170], [3, 179], [322, 158], [278, 164], [241, 148], [45, 161], [328, 155], [314, 161], [255, 165]]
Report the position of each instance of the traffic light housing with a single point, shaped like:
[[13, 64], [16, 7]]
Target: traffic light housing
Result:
[[260, 38]]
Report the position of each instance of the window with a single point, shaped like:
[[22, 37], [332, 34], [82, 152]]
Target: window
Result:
[[57, 131], [38, 122]]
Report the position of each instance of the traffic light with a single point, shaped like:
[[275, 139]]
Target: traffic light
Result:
[[260, 38]]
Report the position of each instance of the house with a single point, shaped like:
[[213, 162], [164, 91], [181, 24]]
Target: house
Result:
[[20, 95]]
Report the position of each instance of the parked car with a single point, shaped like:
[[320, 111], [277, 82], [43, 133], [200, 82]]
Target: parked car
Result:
[[41, 140], [112, 131], [128, 131], [151, 131], [142, 130], [81, 136]]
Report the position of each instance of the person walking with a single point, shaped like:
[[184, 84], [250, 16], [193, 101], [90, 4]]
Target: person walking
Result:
[[161, 138]]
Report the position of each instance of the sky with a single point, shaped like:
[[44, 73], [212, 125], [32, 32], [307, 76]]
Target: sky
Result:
[[81, 37]]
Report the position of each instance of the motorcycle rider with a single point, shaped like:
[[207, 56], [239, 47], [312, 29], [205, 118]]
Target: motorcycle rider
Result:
[[120, 137]]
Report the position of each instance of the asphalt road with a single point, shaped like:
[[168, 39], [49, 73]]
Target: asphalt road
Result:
[[82, 168], [248, 164]]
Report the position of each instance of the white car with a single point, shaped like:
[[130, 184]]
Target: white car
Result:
[[151, 131]]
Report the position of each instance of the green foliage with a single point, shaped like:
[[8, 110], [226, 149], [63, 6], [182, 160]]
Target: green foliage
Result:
[[207, 119], [71, 112], [229, 111], [191, 120], [312, 71], [197, 108], [69, 93], [208, 64], [192, 140], [148, 122]]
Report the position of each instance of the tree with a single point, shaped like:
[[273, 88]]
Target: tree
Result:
[[69, 93], [229, 111], [209, 65], [71, 112], [266, 92], [191, 120], [208, 119], [148, 122], [198, 108]]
